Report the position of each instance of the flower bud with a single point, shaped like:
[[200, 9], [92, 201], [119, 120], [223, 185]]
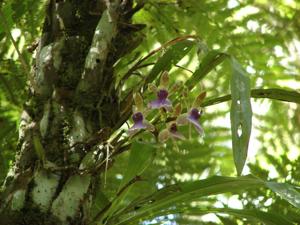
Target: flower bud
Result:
[[152, 88], [198, 101], [138, 100], [163, 136], [177, 110], [164, 80]]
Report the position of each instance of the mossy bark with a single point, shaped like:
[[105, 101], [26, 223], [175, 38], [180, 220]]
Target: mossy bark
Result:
[[72, 99]]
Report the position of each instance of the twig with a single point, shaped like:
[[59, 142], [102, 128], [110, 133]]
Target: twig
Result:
[[183, 68]]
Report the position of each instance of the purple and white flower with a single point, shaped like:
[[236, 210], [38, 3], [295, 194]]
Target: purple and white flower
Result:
[[162, 101], [170, 132], [175, 133], [191, 117], [139, 123]]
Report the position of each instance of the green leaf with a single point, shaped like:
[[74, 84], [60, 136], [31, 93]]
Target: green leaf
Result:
[[265, 217], [172, 56], [185, 192], [271, 93], [250, 215], [159, 202], [286, 191], [277, 94], [98, 203], [209, 62], [240, 114], [141, 155], [7, 13]]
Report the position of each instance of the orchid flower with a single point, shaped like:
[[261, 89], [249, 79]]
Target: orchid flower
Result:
[[191, 117], [162, 93], [193, 114], [170, 132], [139, 122]]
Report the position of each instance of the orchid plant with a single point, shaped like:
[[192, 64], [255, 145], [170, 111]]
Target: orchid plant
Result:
[[174, 117]]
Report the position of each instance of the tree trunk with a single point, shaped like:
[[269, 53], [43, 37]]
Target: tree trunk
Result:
[[71, 111]]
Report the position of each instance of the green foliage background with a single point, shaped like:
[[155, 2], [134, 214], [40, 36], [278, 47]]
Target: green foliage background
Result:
[[264, 37]]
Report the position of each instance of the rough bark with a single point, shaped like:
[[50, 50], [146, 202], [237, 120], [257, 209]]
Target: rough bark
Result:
[[71, 111]]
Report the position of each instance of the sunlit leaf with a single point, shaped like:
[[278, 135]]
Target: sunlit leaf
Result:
[[240, 114], [287, 192], [208, 63], [172, 55], [188, 191], [141, 155]]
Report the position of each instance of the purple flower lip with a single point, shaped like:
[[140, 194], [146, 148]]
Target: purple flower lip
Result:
[[162, 101], [173, 128], [170, 132], [137, 117], [162, 94], [139, 124], [193, 118], [138, 120], [194, 114], [174, 132]]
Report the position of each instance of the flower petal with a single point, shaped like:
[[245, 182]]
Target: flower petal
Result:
[[196, 125], [167, 105], [149, 126], [177, 110], [131, 131], [174, 132], [138, 100], [136, 128], [163, 136], [156, 104], [182, 119], [164, 80], [152, 88], [139, 124], [194, 114], [177, 135], [198, 101]]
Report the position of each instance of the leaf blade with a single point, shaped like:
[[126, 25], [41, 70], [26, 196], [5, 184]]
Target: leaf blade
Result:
[[141, 155], [286, 191], [173, 55], [208, 63], [240, 114], [186, 191]]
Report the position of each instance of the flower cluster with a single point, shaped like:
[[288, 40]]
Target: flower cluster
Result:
[[163, 103]]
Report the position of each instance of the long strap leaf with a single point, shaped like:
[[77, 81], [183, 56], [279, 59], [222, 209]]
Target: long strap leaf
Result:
[[167, 198], [240, 114]]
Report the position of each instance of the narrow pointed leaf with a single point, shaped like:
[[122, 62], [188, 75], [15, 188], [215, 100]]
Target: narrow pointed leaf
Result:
[[141, 155], [240, 114], [287, 192], [172, 56], [209, 62], [251, 215], [186, 192], [165, 200]]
